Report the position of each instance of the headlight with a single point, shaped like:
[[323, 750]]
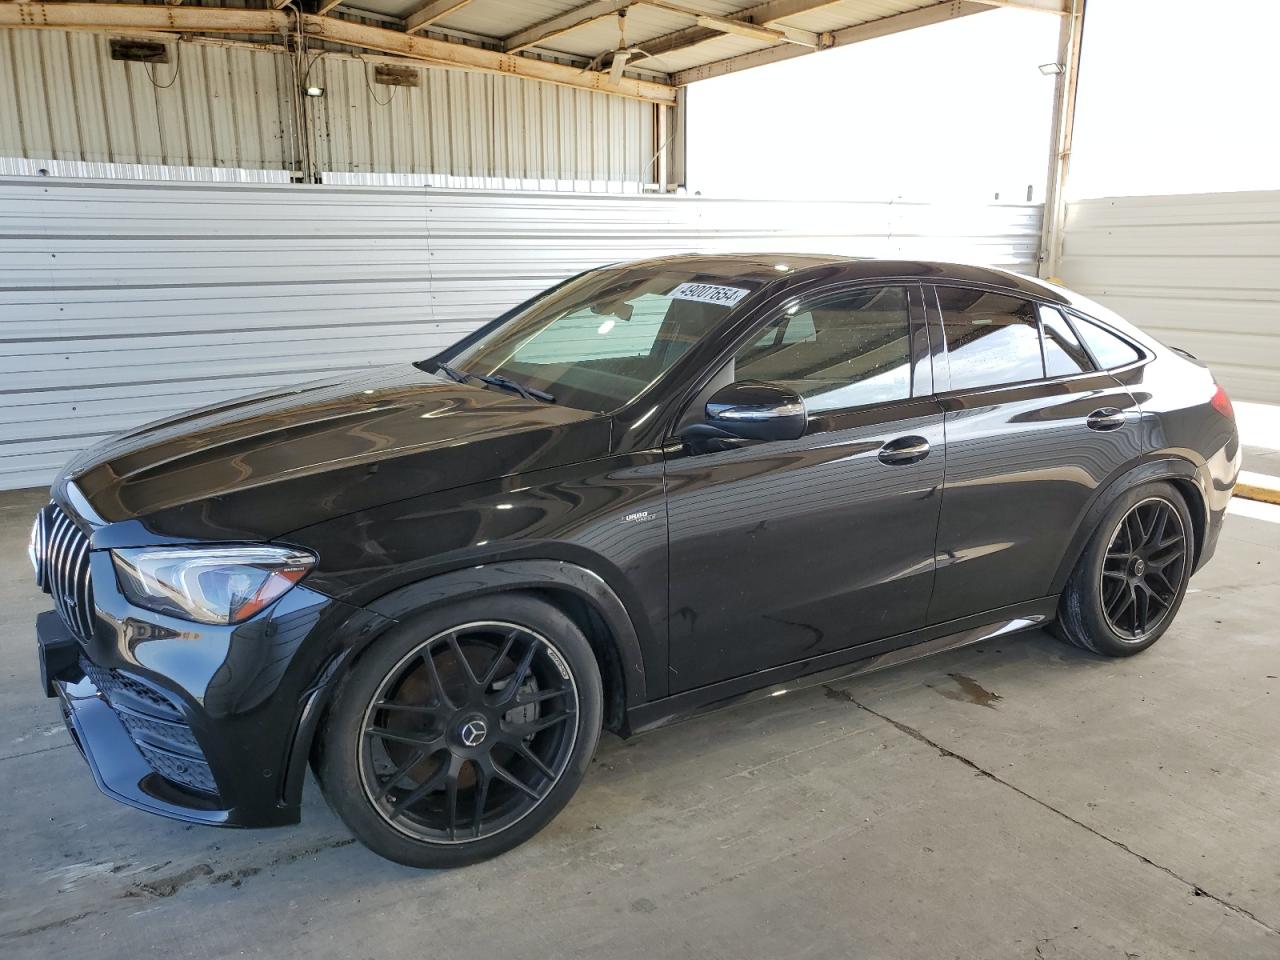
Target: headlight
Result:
[[209, 584]]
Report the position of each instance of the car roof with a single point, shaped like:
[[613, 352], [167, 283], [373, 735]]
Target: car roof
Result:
[[767, 267]]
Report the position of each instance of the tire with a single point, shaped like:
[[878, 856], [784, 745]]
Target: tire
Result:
[[1130, 566], [463, 731]]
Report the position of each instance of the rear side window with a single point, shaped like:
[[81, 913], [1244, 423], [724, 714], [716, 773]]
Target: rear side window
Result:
[[1063, 353], [1109, 350], [991, 339], [848, 351]]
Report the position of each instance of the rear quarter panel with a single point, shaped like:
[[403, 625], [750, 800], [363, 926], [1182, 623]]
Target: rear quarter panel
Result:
[[1181, 424]]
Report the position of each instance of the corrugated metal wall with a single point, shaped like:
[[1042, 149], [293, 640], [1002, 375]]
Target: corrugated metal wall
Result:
[[121, 302], [63, 98], [480, 126], [1199, 271]]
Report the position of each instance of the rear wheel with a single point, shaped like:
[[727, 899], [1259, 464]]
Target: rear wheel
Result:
[[1132, 577], [463, 732]]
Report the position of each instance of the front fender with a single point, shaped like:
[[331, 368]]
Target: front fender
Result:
[[555, 575], [477, 580]]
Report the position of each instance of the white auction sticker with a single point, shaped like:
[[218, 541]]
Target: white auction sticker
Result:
[[709, 293]]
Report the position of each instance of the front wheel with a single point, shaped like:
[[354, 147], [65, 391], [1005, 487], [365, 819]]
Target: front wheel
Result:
[[463, 732], [1132, 577]]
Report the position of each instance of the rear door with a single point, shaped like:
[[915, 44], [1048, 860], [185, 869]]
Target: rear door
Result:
[[1032, 428], [785, 551]]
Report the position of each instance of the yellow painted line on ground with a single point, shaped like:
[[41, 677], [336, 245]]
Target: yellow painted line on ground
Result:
[[1258, 486]]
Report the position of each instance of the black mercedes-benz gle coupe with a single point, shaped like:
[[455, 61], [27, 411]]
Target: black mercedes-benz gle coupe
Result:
[[655, 488]]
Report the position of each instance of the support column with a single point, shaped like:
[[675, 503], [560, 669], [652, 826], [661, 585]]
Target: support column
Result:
[[1064, 115], [662, 174], [676, 150]]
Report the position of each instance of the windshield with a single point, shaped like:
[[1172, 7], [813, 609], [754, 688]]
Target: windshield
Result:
[[598, 341]]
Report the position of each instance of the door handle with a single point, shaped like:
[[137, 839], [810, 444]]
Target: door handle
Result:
[[1107, 418], [911, 449]]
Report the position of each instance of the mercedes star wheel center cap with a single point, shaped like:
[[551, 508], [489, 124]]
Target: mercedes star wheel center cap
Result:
[[473, 732]]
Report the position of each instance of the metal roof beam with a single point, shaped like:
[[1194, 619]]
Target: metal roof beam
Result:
[[113, 17], [1060, 7], [429, 13], [555, 26], [764, 14], [738, 24], [741, 28], [897, 23]]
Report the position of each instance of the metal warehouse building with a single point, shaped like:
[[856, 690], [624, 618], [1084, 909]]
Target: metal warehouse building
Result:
[[182, 181]]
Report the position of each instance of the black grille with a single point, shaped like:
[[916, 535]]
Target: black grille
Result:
[[184, 771], [156, 726], [160, 734], [62, 554], [122, 690]]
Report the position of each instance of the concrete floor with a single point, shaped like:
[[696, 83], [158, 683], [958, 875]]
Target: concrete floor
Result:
[[1019, 799]]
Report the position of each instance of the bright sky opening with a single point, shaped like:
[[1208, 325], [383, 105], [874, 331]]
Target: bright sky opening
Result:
[[1175, 96]]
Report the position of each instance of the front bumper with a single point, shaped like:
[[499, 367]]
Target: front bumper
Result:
[[127, 748], [206, 724]]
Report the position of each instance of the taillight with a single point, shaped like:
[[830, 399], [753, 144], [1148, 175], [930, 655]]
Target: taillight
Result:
[[1222, 403]]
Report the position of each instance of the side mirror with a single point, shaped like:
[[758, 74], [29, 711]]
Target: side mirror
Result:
[[754, 410]]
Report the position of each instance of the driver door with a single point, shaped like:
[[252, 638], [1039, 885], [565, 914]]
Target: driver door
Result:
[[784, 551]]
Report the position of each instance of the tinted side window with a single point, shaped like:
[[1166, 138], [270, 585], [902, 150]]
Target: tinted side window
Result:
[[991, 339], [848, 351], [1109, 349], [1063, 354]]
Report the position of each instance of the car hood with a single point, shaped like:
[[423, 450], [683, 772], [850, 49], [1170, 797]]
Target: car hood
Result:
[[261, 466]]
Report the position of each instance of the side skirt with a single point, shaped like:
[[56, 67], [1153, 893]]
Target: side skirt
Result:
[[843, 664]]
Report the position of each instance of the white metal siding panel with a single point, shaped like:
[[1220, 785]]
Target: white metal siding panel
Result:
[[122, 302], [1199, 271], [74, 103], [63, 98]]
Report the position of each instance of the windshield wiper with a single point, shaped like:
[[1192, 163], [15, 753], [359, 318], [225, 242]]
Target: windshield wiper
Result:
[[451, 372], [529, 393], [493, 379]]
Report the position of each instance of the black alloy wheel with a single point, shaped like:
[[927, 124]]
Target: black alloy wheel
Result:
[[468, 732], [1132, 576], [1142, 571], [463, 731]]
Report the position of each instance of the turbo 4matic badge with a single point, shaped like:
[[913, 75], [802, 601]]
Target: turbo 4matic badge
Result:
[[709, 293]]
